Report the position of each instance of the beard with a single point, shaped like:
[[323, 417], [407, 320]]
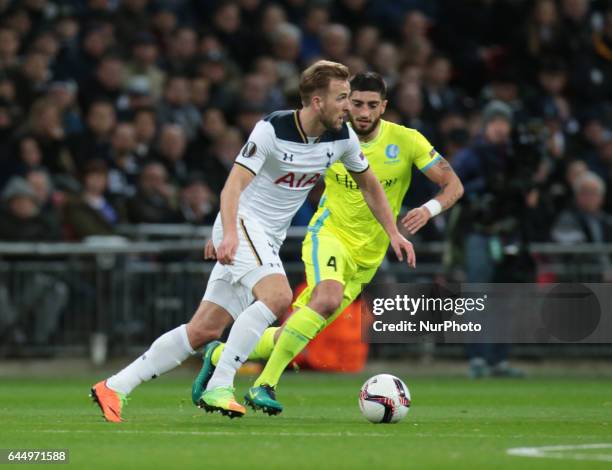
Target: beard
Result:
[[330, 123], [367, 130]]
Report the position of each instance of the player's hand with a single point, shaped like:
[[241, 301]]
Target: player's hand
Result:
[[209, 250], [401, 245], [227, 249], [416, 219]]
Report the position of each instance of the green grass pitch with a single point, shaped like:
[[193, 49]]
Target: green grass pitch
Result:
[[453, 423]]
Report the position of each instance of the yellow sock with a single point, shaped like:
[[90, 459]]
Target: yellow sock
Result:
[[301, 327], [263, 349], [217, 354]]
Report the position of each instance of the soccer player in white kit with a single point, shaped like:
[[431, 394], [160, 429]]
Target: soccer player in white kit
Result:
[[284, 157]]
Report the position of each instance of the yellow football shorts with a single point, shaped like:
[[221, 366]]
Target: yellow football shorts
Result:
[[326, 257]]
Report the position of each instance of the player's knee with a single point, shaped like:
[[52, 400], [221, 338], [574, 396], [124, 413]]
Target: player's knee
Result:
[[200, 334], [327, 299], [203, 328], [326, 307], [279, 302]]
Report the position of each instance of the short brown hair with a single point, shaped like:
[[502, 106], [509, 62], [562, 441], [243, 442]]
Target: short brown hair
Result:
[[317, 77]]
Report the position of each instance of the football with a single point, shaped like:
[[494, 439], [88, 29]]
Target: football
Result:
[[384, 399]]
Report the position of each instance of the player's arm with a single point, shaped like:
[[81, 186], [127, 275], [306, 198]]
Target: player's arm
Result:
[[238, 179], [248, 163], [378, 203], [451, 191]]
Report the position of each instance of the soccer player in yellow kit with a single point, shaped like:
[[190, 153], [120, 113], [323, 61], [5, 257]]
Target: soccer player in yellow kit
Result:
[[345, 244]]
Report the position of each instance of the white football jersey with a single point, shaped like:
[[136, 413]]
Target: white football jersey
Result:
[[287, 164]]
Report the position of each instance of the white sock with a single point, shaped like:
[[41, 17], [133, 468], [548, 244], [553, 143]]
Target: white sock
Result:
[[243, 337], [167, 352]]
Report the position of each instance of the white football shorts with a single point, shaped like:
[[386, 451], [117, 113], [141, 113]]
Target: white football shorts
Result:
[[231, 285]]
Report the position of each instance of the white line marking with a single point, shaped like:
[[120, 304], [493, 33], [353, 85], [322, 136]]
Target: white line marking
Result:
[[115, 429], [561, 452], [208, 433]]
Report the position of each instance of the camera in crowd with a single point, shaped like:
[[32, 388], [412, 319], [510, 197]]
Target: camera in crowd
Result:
[[508, 178]]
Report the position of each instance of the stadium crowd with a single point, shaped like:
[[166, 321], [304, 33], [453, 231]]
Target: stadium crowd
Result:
[[132, 111]]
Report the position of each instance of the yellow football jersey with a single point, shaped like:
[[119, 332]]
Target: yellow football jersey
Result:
[[343, 210]]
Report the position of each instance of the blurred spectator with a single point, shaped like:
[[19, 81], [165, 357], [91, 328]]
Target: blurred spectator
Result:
[[171, 152], [21, 215], [67, 30], [356, 64], [317, 17], [409, 102], [601, 162], [551, 100], [25, 157], [40, 182], [63, 94], [200, 156], [32, 78], [125, 162], [181, 53], [198, 204], [96, 10], [416, 45], [593, 134], [143, 63], [493, 212], [9, 49], [91, 212], [254, 94], [586, 223], [138, 95], [176, 107], [504, 86], [542, 34], [37, 307], [209, 44], [131, 17], [247, 116], [8, 93], [227, 146], [154, 201], [20, 21], [214, 68], [592, 69], [576, 25], [50, 201], [45, 125], [266, 66], [272, 17], [163, 22], [94, 45], [366, 40], [145, 127], [95, 141], [386, 62], [200, 93], [228, 29], [286, 42], [46, 43], [437, 93], [7, 128], [563, 191], [352, 13], [335, 42], [452, 133], [106, 84]]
